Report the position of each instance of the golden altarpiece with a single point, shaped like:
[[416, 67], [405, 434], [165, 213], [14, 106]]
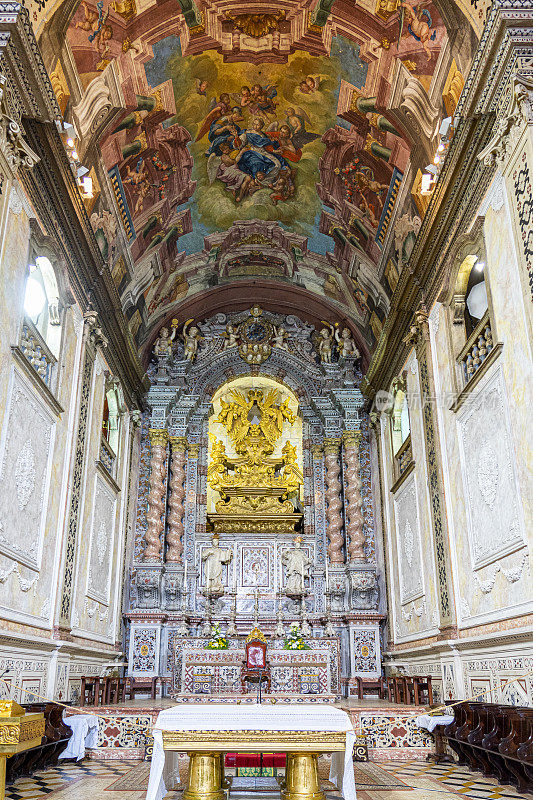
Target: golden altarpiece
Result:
[[255, 508]]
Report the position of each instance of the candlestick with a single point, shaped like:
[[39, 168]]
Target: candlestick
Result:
[[234, 573], [327, 574]]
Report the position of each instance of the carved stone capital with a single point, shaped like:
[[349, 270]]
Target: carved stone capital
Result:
[[158, 437], [194, 449], [13, 147], [352, 438], [419, 328], [94, 332], [179, 444], [317, 451], [374, 419], [332, 445], [510, 125]]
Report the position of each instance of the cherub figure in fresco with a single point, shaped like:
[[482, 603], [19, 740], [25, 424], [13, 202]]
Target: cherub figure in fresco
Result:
[[310, 84], [283, 187], [419, 24], [201, 87], [138, 180], [95, 23], [296, 119], [217, 111], [245, 96], [262, 103]]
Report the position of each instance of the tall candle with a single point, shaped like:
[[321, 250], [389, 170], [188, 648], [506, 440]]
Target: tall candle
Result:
[[185, 574], [327, 574], [234, 572]]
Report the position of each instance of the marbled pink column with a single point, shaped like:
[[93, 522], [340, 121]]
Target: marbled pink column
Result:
[[334, 505], [156, 499], [175, 529], [354, 499]]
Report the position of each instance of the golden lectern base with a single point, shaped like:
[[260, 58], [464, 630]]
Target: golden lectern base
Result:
[[301, 778]]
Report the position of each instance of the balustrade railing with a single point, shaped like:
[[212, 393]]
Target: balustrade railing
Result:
[[107, 456], [37, 352], [476, 349], [403, 458]]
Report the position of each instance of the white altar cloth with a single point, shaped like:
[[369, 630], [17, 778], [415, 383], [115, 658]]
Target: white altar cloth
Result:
[[255, 717], [84, 735]]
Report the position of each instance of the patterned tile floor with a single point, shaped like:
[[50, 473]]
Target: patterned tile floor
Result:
[[458, 780], [90, 780]]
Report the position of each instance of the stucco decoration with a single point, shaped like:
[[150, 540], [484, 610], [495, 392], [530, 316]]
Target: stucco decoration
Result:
[[102, 542], [487, 465], [408, 542], [24, 474]]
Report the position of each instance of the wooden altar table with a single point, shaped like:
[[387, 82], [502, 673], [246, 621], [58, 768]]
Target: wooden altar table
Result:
[[206, 733]]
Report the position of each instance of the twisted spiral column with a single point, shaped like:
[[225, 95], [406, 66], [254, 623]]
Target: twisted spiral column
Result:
[[354, 498], [176, 528], [156, 504], [333, 489]]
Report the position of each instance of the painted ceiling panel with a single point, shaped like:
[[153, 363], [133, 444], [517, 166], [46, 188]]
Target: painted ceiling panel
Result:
[[308, 123]]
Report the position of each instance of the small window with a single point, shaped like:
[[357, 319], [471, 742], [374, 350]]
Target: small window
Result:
[[41, 302], [400, 419]]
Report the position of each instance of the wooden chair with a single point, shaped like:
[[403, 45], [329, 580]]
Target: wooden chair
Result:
[[255, 666], [400, 691], [369, 685], [423, 691]]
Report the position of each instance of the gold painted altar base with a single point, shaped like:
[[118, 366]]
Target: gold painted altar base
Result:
[[301, 731], [248, 523]]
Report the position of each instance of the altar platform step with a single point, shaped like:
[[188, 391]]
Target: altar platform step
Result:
[[390, 729]]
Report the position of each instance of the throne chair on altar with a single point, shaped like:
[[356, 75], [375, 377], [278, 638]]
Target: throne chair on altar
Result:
[[255, 666]]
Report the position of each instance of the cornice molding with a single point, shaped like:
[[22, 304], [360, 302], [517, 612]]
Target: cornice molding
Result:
[[502, 55], [54, 194]]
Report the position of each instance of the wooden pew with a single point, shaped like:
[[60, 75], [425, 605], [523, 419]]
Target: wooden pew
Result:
[[494, 739]]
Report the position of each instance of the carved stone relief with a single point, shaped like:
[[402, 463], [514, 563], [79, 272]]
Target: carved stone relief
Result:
[[102, 542], [487, 466], [24, 474], [408, 542]]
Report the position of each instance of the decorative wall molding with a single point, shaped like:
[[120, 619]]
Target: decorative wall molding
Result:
[[489, 473], [25, 468]]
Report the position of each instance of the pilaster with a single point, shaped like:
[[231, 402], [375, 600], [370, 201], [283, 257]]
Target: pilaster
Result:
[[419, 336]]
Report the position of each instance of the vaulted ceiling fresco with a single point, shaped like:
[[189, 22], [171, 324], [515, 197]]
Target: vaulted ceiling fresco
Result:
[[229, 144]]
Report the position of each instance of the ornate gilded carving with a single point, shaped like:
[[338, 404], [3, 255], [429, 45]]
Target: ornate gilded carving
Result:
[[156, 505], [178, 446], [333, 488], [255, 482], [256, 25]]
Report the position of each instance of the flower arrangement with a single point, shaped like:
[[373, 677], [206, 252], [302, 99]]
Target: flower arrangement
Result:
[[294, 640], [217, 641]]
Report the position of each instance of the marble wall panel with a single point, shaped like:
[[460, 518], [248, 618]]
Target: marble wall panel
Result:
[[102, 542], [25, 464], [408, 541]]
